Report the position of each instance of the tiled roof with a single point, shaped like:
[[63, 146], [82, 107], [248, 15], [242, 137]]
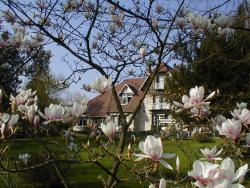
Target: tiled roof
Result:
[[164, 68], [104, 103]]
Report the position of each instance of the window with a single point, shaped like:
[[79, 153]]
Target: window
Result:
[[125, 98]]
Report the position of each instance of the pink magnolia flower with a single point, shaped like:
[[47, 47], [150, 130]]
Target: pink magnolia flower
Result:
[[231, 129], [152, 149], [226, 171], [195, 98], [244, 116], [23, 97], [212, 154], [204, 173], [7, 122], [209, 175]]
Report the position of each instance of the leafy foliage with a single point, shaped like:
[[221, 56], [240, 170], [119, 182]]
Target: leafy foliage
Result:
[[14, 64]]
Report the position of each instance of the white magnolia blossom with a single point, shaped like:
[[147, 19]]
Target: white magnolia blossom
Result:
[[211, 154], [54, 113], [224, 21], [218, 120], [181, 22], [109, 129], [18, 38], [102, 84], [7, 122], [241, 105], [24, 157], [76, 110], [195, 20], [201, 23], [152, 149], [225, 31]]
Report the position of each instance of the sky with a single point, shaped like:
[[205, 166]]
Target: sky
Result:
[[59, 67]]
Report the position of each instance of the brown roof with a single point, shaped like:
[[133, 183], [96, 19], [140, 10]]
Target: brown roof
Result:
[[104, 103], [164, 68]]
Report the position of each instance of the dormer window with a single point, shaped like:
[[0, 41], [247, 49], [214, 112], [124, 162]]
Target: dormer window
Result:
[[126, 98], [126, 94]]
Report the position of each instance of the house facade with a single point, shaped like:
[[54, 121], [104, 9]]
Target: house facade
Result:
[[153, 113]]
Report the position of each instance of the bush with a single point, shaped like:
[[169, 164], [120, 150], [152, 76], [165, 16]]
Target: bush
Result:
[[44, 176], [203, 137]]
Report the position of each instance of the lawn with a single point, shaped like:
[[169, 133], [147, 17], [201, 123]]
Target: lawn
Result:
[[89, 175]]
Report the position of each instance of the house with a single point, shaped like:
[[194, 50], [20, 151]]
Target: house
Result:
[[153, 113]]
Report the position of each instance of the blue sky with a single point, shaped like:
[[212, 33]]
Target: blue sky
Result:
[[61, 68]]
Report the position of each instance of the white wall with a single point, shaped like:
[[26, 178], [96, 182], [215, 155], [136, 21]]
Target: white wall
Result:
[[143, 118]]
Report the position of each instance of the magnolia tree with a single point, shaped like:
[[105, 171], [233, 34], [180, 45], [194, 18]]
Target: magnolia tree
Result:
[[115, 39]]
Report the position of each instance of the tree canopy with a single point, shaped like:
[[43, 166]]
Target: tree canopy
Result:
[[217, 62]]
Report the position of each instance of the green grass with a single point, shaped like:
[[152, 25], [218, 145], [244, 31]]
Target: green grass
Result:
[[88, 175]]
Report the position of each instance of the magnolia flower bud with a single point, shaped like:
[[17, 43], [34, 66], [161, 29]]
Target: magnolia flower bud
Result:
[[1, 96], [3, 127], [248, 139], [178, 164], [31, 114], [129, 151], [142, 52], [159, 8], [87, 87], [156, 166], [163, 183], [13, 106], [36, 120], [36, 100], [155, 23]]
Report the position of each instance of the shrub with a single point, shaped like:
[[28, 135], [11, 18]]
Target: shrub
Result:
[[44, 176], [203, 137]]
